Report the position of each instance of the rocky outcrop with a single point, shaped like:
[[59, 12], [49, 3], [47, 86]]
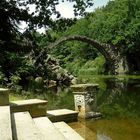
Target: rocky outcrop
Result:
[[49, 73], [62, 76]]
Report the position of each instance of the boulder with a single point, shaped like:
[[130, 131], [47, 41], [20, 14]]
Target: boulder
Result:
[[52, 83], [39, 80], [74, 81], [55, 67]]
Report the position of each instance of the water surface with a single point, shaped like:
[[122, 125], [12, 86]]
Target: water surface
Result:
[[118, 99]]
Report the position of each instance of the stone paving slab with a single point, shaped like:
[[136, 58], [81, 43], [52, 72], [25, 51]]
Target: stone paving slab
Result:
[[24, 127], [47, 129], [5, 123]]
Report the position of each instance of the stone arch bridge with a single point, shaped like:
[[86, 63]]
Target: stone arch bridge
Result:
[[111, 54]]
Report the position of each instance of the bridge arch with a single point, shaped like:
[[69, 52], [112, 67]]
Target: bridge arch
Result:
[[110, 53]]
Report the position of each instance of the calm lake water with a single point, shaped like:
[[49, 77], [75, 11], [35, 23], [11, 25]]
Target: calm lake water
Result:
[[118, 99]]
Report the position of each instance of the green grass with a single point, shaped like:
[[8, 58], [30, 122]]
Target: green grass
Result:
[[15, 97]]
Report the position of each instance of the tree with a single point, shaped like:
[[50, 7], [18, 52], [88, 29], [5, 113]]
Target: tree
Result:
[[17, 11], [15, 46], [117, 23]]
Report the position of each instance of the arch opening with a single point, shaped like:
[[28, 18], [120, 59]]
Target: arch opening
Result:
[[110, 53]]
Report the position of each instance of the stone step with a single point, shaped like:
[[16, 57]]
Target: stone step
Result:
[[24, 127], [67, 131], [5, 123], [65, 115], [47, 129], [35, 107]]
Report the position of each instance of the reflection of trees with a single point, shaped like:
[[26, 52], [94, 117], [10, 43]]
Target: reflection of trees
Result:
[[118, 100], [113, 91]]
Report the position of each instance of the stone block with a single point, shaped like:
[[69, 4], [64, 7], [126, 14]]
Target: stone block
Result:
[[85, 98], [4, 96], [65, 115], [35, 107], [24, 128], [47, 129]]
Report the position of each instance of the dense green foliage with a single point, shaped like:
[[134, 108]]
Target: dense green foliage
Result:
[[118, 23], [17, 50]]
